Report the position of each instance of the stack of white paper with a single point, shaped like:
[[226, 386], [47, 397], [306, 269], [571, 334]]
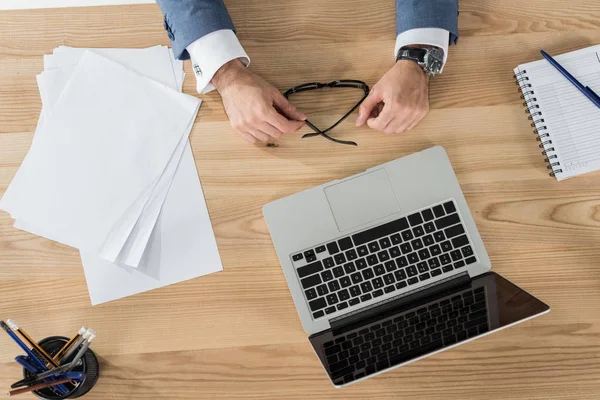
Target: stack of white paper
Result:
[[111, 172]]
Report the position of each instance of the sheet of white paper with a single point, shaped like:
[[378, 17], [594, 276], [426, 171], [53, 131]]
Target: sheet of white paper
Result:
[[29, 4], [44, 200]]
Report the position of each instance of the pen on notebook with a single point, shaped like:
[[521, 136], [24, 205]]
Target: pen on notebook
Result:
[[586, 90], [37, 387], [58, 356], [13, 325]]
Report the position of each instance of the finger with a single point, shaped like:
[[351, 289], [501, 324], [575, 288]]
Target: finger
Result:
[[367, 106], [283, 124], [287, 108], [247, 137], [260, 135], [270, 130], [393, 125], [383, 119], [417, 120]]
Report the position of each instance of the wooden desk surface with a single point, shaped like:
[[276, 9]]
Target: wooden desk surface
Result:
[[236, 334]]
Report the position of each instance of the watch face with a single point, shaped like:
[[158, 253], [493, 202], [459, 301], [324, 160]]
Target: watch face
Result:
[[434, 60]]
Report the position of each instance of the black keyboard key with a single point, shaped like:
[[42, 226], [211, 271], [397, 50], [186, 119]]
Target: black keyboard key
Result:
[[355, 291], [436, 272], [422, 266], [366, 287], [467, 251], [378, 293], [333, 248], [374, 247], [396, 238], [447, 221], [309, 253], [413, 258], [383, 256], [318, 314], [385, 243], [401, 285], [310, 294], [418, 231], [380, 231], [353, 302], [320, 249], [334, 286], [322, 290], [317, 304], [395, 252], [427, 215], [329, 310], [423, 277], [412, 270], [439, 236], [343, 295], [379, 270], [470, 260], [435, 250], [454, 231], [332, 299], [412, 281], [424, 254], [368, 273], [310, 269], [401, 262], [400, 275], [446, 246], [390, 266], [311, 258], [405, 248], [366, 297], [341, 306], [326, 275], [428, 240], [311, 281], [349, 268], [377, 283], [389, 279], [407, 235], [356, 277], [351, 255], [449, 207], [415, 219], [362, 251], [372, 259], [417, 244], [361, 263], [338, 271], [338, 366], [429, 227], [345, 244], [339, 258], [456, 255], [345, 282], [439, 211], [447, 268], [297, 257], [328, 262], [389, 289], [460, 241]]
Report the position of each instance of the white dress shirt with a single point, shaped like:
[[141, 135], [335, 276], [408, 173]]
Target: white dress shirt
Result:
[[212, 51]]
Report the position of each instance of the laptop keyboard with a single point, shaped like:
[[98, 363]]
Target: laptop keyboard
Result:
[[361, 267], [400, 338]]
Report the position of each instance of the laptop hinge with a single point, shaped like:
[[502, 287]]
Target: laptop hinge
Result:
[[399, 300]]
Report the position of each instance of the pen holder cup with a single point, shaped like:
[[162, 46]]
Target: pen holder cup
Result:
[[89, 366]]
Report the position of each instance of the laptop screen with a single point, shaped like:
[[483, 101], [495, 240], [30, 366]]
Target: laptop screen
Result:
[[433, 323]]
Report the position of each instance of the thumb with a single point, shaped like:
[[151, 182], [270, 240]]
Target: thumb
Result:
[[366, 108], [287, 108]]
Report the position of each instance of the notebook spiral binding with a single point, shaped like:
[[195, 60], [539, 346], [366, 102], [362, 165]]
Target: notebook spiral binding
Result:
[[535, 115]]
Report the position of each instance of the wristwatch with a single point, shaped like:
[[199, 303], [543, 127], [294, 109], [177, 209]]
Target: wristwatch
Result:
[[430, 59]]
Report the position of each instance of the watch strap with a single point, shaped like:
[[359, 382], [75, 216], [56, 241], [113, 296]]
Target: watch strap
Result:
[[414, 54]]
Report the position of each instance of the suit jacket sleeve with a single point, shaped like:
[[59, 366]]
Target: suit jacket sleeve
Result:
[[188, 20], [412, 14]]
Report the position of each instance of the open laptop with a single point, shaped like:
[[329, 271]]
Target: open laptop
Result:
[[387, 266]]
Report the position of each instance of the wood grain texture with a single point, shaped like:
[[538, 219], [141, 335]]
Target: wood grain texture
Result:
[[235, 334]]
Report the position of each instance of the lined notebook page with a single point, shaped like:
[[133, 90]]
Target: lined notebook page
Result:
[[570, 119]]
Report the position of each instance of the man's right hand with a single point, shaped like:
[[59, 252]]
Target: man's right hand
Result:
[[252, 104]]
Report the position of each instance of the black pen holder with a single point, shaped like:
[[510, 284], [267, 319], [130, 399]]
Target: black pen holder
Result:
[[89, 366]]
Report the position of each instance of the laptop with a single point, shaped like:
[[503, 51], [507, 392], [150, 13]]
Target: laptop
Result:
[[387, 266]]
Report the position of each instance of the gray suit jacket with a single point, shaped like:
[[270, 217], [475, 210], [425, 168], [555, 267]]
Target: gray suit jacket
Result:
[[188, 20]]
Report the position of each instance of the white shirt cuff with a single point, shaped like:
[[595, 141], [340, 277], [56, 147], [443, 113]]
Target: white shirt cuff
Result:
[[430, 36], [211, 52]]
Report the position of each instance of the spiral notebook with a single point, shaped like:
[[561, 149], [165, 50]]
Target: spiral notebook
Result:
[[565, 121]]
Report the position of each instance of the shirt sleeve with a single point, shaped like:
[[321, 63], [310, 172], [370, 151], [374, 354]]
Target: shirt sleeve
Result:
[[430, 36], [211, 52]]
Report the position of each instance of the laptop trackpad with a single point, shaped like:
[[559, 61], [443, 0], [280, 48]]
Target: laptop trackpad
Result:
[[361, 200]]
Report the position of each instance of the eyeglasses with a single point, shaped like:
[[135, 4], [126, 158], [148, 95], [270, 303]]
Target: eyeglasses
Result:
[[343, 83]]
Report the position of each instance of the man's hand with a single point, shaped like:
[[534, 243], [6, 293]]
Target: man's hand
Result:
[[399, 101], [252, 104]]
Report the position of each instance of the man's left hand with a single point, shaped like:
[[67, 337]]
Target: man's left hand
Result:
[[399, 101]]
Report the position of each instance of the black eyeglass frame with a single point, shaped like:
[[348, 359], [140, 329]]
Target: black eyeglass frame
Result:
[[340, 83]]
